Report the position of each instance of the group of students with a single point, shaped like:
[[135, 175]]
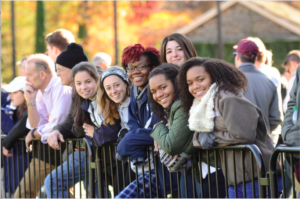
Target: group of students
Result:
[[171, 99]]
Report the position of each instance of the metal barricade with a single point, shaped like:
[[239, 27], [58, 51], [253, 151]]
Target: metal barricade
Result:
[[289, 157]]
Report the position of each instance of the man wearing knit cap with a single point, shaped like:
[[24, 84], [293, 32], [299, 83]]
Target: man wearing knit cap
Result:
[[64, 63], [67, 60], [261, 91]]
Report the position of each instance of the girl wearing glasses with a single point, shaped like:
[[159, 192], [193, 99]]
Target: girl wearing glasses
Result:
[[138, 62]]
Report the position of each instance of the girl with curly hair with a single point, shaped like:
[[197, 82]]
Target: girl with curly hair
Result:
[[211, 92]]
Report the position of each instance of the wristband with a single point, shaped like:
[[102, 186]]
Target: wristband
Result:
[[31, 104], [32, 132]]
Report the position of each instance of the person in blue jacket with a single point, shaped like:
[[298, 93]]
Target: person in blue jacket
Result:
[[87, 114], [11, 146], [138, 62]]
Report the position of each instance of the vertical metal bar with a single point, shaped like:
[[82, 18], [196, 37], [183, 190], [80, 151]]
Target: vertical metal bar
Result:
[[68, 186], [117, 170], [200, 173], [225, 176], [292, 175], [56, 174], [51, 187], [111, 166], [164, 180], [150, 171], [143, 179], [208, 167], [243, 169], [217, 176], [44, 159], [39, 155], [123, 173], [34, 183], [86, 171], [156, 176], [23, 167], [8, 173], [79, 168], [13, 169], [18, 166], [282, 175], [252, 175], [137, 182], [185, 182], [5, 172], [129, 169], [234, 173], [105, 171], [100, 171], [73, 172], [178, 183], [61, 171]]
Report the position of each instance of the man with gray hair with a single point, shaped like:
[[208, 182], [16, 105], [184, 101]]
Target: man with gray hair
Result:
[[102, 60], [48, 103]]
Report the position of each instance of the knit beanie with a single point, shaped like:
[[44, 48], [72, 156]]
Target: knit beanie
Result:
[[114, 71], [71, 56]]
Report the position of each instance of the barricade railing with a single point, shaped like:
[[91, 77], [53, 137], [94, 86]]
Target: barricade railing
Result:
[[289, 157], [105, 177]]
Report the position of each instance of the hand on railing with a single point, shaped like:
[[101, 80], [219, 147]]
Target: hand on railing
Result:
[[54, 138], [6, 152]]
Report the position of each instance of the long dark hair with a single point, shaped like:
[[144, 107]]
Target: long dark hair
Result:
[[183, 41], [226, 76], [80, 116], [22, 108], [170, 71]]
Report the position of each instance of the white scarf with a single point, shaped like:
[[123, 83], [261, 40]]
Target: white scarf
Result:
[[202, 112]]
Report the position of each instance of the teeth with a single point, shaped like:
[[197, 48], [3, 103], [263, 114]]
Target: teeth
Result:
[[199, 92], [137, 78], [163, 100], [116, 95]]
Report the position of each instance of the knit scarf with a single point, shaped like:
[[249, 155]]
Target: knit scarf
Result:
[[202, 112]]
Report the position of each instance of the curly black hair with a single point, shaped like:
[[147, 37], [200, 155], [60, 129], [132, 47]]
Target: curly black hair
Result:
[[170, 71], [226, 76]]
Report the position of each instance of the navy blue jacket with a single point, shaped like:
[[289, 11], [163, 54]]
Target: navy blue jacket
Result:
[[106, 133], [137, 140]]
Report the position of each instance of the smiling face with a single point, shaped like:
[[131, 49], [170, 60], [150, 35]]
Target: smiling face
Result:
[[17, 98], [162, 90], [85, 84], [65, 75], [174, 53], [199, 81], [115, 88], [140, 78]]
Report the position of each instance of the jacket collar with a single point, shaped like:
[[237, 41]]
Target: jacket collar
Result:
[[85, 104]]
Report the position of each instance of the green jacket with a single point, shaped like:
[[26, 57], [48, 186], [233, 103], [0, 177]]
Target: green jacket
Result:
[[290, 131], [178, 138]]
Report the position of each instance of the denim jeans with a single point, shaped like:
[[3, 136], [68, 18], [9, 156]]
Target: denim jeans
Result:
[[249, 193], [189, 181], [62, 187]]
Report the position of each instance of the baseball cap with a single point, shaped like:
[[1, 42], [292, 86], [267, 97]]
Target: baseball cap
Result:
[[17, 84], [247, 48]]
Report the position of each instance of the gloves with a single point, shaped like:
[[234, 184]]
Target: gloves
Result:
[[206, 140], [122, 133]]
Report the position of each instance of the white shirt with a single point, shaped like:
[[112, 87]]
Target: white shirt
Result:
[[53, 106]]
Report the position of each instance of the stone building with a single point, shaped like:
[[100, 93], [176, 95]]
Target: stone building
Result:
[[271, 21]]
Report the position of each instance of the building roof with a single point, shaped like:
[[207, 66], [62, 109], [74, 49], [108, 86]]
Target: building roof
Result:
[[278, 12]]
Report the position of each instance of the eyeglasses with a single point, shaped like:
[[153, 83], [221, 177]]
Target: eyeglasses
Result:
[[139, 68], [234, 54], [59, 70]]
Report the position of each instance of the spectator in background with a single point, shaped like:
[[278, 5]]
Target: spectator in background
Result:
[[261, 91], [22, 64], [291, 64], [48, 103], [16, 91], [102, 60], [57, 42]]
